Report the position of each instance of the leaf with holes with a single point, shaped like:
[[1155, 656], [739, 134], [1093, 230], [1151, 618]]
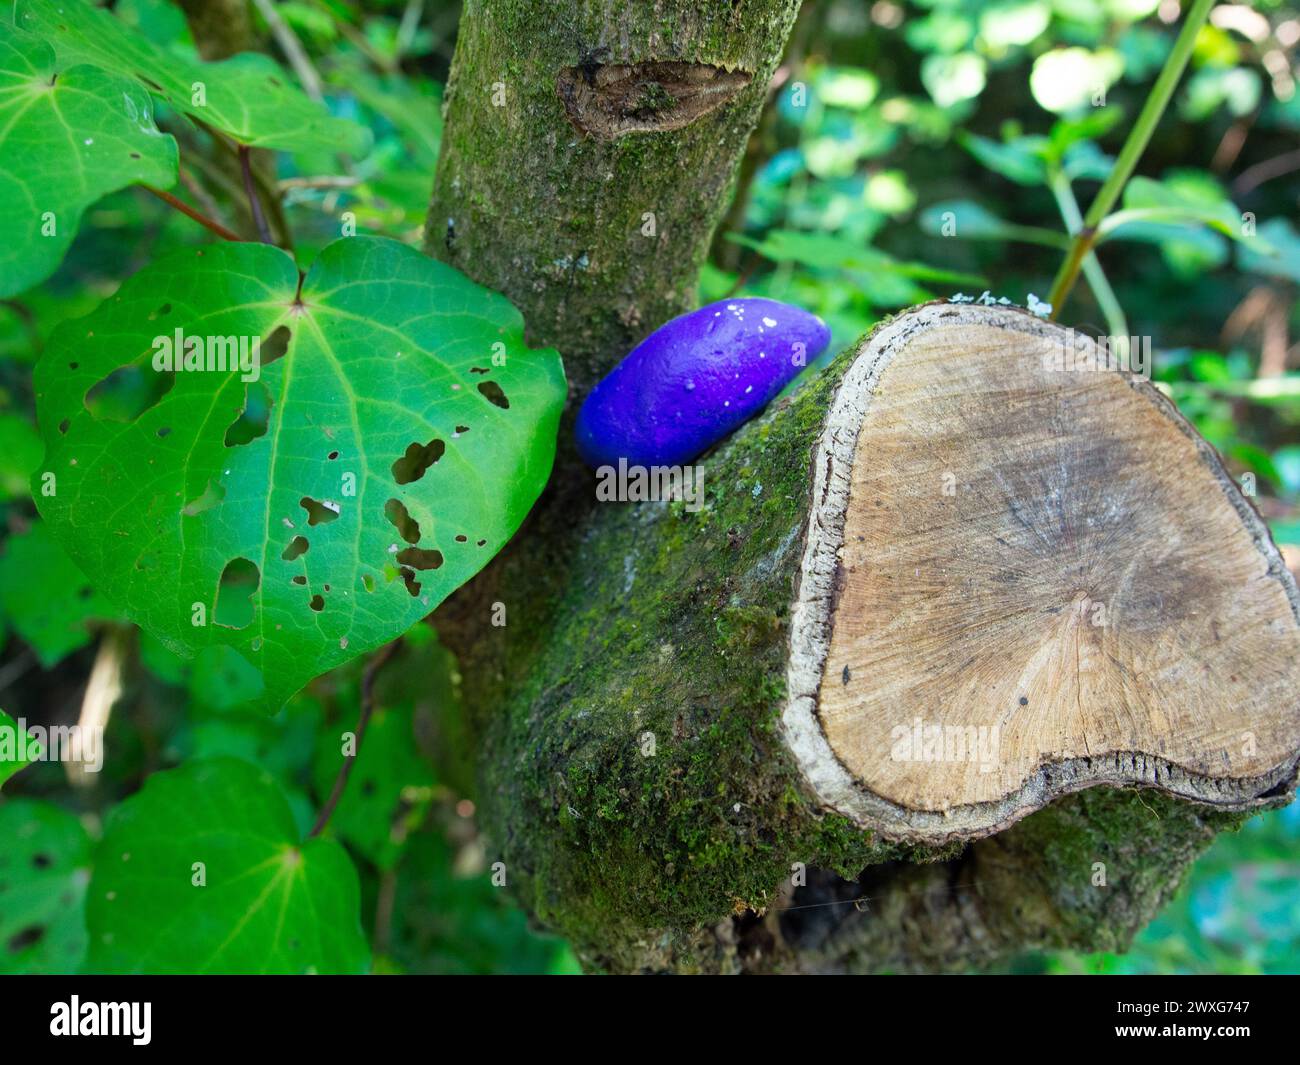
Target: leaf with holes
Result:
[[321, 510], [204, 871], [69, 134], [44, 869], [18, 749], [247, 97]]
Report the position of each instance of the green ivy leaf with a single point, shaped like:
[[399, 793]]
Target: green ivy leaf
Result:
[[322, 510], [45, 597], [269, 903], [17, 752], [248, 97], [69, 134], [44, 869]]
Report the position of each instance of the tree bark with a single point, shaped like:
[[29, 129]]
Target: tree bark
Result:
[[641, 771], [588, 153]]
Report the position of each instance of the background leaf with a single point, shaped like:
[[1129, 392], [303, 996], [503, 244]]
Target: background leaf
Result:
[[389, 783], [271, 904], [20, 455], [248, 97], [972, 221], [68, 135], [14, 754], [45, 598]]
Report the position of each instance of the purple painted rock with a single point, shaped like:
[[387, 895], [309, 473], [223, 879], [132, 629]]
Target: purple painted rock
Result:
[[695, 380]]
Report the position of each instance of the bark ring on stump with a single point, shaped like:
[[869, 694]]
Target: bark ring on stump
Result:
[[1019, 581]]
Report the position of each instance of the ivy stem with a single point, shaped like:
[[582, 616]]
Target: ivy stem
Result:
[[254, 204], [190, 212], [363, 719], [1161, 93], [1110, 306]]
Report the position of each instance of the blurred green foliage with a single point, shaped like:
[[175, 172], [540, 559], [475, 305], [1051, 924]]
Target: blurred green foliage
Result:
[[909, 151]]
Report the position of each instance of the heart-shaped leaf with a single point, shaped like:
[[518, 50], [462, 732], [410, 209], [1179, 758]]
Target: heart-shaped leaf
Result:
[[68, 135], [203, 871], [322, 509], [248, 97]]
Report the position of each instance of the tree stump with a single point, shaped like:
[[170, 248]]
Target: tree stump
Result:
[[833, 719]]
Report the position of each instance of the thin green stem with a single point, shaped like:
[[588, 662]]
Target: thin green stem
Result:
[[1161, 93], [1116, 322]]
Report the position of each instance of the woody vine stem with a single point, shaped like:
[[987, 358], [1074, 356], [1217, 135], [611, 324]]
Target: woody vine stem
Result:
[[1161, 93]]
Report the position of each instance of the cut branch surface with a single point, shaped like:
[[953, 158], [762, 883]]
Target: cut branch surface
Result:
[[1022, 578]]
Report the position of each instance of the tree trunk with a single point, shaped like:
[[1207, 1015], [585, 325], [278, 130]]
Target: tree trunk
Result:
[[689, 727], [588, 153]]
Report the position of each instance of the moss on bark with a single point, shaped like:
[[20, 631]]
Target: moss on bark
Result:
[[636, 784], [669, 637]]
